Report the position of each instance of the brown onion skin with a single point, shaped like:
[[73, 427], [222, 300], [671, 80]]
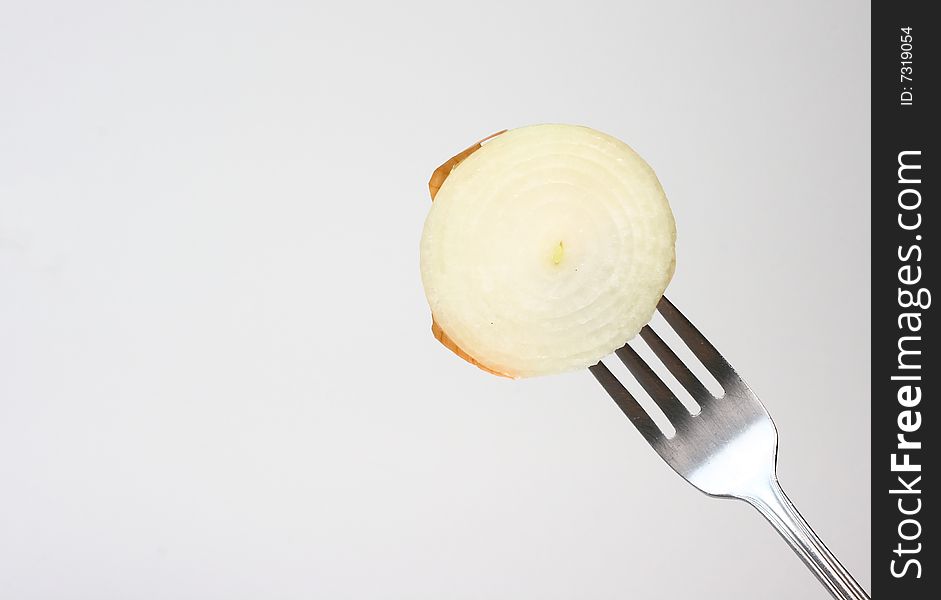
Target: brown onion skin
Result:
[[434, 184]]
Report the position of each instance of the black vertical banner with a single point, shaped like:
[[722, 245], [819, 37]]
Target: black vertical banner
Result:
[[905, 370]]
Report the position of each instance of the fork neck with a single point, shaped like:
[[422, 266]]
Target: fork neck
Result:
[[771, 501]]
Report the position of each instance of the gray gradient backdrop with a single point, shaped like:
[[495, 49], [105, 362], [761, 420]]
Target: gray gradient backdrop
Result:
[[217, 379]]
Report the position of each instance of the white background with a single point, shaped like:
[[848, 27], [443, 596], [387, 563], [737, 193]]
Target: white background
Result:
[[217, 379]]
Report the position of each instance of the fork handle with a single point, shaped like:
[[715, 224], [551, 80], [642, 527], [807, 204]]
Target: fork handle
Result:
[[774, 505]]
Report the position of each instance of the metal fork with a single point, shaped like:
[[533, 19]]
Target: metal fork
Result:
[[729, 448]]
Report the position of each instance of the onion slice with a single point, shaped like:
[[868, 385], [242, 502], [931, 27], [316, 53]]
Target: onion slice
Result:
[[546, 248]]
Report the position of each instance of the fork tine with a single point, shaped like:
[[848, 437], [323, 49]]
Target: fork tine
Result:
[[697, 342], [696, 389], [634, 411], [652, 384]]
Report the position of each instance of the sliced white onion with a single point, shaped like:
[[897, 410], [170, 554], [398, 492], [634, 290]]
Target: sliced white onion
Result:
[[545, 250]]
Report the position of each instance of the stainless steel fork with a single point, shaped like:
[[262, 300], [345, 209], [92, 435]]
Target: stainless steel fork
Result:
[[728, 449]]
